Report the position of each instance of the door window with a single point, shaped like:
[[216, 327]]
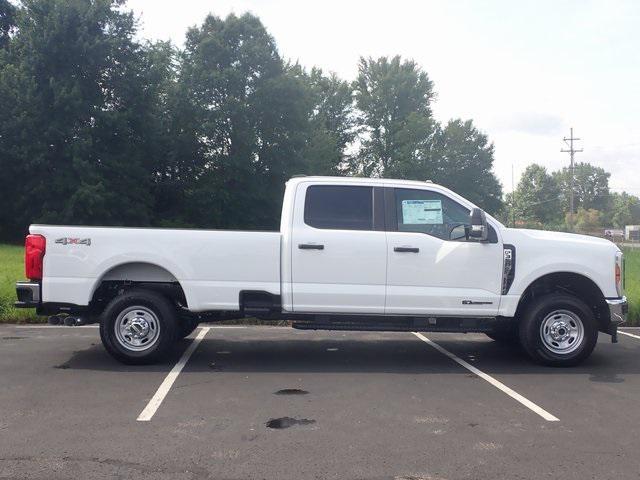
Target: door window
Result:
[[339, 207], [430, 212]]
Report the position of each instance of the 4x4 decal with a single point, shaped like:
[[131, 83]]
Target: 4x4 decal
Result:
[[74, 241]]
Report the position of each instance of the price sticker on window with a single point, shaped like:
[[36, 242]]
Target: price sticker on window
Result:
[[422, 212]]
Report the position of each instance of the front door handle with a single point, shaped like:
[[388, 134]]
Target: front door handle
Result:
[[406, 249], [310, 246]]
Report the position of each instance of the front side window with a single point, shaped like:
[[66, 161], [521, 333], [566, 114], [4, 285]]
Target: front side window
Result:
[[339, 207], [430, 212]]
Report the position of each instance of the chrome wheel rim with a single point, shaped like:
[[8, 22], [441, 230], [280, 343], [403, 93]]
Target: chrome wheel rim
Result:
[[137, 328], [562, 332]]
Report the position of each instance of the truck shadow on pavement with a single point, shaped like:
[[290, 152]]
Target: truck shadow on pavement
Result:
[[400, 356]]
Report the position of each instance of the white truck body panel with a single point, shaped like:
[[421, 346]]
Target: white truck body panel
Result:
[[211, 266], [347, 276]]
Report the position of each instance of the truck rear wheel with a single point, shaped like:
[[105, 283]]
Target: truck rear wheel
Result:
[[558, 330], [138, 327]]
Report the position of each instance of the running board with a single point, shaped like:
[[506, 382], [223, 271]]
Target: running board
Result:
[[431, 324]]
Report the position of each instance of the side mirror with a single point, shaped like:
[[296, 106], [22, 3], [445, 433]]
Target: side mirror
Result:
[[479, 230]]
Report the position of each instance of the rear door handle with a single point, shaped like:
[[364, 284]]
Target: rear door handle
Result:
[[406, 249], [310, 246]]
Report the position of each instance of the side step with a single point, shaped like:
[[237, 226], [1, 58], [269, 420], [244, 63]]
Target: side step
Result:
[[402, 324]]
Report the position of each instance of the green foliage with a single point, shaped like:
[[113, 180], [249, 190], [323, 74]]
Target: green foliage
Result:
[[537, 197], [587, 220], [97, 127], [463, 160], [394, 99], [542, 200], [625, 209], [591, 186], [7, 21], [632, 283], [401, 139], [75, 137]]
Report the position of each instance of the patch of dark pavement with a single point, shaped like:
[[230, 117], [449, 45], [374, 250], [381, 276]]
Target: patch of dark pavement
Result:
[[286, 422], [291, 391]]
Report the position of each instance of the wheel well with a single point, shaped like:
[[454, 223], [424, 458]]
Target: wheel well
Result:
[[574, 284], [136, 275]]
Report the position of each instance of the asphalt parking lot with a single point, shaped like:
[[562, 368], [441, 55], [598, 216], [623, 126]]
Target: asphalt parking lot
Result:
[[278, 403]]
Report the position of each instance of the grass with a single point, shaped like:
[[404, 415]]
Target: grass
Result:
[[12, 269], [632, 283]]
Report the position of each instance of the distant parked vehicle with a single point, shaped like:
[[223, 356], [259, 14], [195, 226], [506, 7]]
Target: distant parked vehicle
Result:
[[351, 254], [632, 233]]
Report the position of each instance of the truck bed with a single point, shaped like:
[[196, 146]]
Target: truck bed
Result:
[[212, 266]]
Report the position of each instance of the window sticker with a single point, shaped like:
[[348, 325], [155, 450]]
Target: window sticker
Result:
[[422, 212]]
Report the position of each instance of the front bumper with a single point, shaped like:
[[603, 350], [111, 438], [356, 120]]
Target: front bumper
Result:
[[28, 295], [618, 309]]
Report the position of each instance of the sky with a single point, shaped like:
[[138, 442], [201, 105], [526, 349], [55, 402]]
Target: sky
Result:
[[524, 72]]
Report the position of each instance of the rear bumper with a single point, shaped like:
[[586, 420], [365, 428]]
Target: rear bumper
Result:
[[28, 294], [618, 309]]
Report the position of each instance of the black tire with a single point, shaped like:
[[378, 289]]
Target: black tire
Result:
[[186, 327], [155, 310], [558, 309], [507, 336]]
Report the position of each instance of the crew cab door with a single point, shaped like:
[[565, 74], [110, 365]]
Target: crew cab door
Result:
[[432, 268], [338, 251]]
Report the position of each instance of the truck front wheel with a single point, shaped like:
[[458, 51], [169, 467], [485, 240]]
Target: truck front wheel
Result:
[[558, 330], [138, 327]]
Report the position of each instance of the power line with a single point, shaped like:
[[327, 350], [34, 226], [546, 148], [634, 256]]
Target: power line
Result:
[[572, 151]]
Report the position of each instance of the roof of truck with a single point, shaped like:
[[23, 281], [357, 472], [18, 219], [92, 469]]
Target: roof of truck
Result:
[[381, 181]]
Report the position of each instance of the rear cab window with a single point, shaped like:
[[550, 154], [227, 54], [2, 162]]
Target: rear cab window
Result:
[[339, 207]]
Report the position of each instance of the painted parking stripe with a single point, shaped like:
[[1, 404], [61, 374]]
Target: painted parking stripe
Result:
[[629, 334], [165, 386], [28, 327], [499, 385]]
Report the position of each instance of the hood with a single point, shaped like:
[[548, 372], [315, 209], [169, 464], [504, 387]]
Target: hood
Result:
[[513, 234]]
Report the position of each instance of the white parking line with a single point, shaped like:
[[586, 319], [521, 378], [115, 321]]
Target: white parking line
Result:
[[55, 326], [171, 377], [629, 334], [499, 385]]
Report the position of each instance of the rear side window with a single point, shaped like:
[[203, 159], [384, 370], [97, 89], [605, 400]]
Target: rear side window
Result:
[[339, 207]]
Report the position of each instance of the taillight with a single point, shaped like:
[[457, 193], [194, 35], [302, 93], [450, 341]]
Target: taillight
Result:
[[34, 249], [619, 274]]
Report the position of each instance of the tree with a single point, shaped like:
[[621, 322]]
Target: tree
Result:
[[588, 220], [537, 196], [249, 118], [591, 186], [463, 161], [7, 21], [394, 100], [76, 118], [625, 209], [332, 123], [400, 138]]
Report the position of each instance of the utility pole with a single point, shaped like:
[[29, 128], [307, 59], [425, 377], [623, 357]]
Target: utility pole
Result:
[[571, 151], [513, 200]]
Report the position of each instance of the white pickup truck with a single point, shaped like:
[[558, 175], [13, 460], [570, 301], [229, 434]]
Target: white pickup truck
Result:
[[351, 254]]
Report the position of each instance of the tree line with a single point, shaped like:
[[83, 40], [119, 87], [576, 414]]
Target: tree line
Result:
[[100, 128], [541, 199]]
